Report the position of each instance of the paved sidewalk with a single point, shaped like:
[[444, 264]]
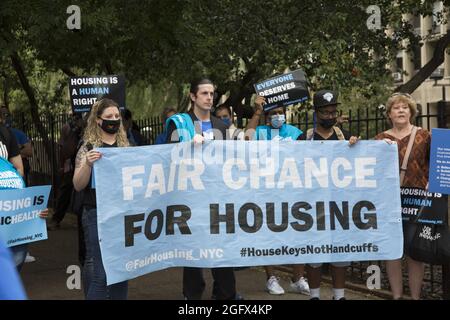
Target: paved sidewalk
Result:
[[46, 277]]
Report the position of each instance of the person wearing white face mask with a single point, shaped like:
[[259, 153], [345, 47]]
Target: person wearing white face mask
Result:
[[276, 129]]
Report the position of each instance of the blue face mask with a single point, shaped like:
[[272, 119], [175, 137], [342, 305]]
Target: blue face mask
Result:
[[277, 120], [227, 121]]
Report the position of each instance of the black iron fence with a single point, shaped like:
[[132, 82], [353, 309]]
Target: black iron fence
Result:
[[365, 123], [44, 163]]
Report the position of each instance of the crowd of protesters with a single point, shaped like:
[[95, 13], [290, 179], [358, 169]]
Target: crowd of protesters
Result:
[[107, 126]]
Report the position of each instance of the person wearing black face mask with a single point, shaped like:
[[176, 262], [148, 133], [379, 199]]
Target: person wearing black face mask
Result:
[[326, 112], [110, 126], [103, 129], [325, 106]]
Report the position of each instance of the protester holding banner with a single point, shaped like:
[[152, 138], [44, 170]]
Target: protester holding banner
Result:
[[325, 105], [276, 128], [199, 125], [326, 119], [401, 110], [104, 129]]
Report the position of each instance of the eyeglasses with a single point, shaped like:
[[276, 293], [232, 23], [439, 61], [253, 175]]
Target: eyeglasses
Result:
[[327, 113], [401, 94]]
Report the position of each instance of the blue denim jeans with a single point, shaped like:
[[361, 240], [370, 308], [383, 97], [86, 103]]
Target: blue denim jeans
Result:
[[93, 272], [19, 253]]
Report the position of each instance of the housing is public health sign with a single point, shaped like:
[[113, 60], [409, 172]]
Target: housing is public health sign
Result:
[[85, 91], [241, 203], [19, 215]]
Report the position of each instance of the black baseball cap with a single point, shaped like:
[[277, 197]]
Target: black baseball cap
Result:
[[325, 98]]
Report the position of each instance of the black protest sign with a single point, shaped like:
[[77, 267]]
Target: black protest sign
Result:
[[434, 206], [284, 90], [85, 91]]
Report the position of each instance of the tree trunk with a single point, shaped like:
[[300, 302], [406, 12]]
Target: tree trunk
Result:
[[108, 67], [242, 90], [6, 92], [18, 67], [68, 72], [427, 70]]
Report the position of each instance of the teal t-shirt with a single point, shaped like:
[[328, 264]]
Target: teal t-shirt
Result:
[[285, 133]]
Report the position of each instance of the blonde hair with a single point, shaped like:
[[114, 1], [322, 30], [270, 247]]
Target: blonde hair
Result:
[[93, 133], [405, 98]]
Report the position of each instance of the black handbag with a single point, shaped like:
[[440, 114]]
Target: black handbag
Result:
[[430, 243], [425, 242]]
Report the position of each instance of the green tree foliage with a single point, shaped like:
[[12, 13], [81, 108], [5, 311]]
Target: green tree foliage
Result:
[[160, 45]]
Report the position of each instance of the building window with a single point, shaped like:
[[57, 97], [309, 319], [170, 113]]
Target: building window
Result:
[[437, 13], [415, 22], [399, 63], [417, 57], [398, 68]]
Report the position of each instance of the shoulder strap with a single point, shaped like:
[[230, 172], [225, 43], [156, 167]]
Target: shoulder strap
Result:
[[407, 154], [339, 133]]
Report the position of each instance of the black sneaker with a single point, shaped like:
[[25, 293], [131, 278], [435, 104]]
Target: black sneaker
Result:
[[343, 298], [314, 298]]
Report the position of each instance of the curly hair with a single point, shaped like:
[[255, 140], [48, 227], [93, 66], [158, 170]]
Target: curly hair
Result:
[[93, 133]]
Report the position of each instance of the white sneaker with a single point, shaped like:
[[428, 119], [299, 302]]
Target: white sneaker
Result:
[[273, 286], [301, 286], [29, 258]]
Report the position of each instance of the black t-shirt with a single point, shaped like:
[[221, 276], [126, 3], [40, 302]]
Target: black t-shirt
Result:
[[332, 137], [8, 143], [89, 196]]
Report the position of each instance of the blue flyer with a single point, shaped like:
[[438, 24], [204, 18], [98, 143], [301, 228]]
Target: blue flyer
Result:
[[440, 161]]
